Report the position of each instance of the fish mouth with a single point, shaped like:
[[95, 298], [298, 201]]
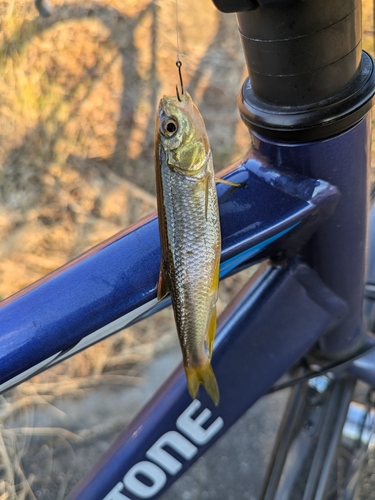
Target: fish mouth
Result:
[[168, 99], [173, 101], [167, 105], [170, 105], [162, 113], [162, 107]]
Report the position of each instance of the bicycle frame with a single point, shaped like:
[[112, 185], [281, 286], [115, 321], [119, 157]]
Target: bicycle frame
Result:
[[259, 328], [289, 210]]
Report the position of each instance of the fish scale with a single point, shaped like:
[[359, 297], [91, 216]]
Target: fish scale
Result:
[[192, 244], [190, 233]]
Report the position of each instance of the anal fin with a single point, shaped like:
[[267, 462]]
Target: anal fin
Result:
[[211, 331]]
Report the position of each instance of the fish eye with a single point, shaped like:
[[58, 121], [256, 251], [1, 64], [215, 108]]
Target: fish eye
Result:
[[169, 127]]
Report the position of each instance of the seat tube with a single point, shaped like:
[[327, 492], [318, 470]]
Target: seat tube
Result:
[[306, 104]]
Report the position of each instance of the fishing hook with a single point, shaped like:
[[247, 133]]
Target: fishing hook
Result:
[[179, 64]]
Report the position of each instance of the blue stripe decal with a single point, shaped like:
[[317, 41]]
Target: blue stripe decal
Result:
[[235, 261]]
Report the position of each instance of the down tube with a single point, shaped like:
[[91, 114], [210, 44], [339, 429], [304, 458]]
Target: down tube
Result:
[[276, 318]]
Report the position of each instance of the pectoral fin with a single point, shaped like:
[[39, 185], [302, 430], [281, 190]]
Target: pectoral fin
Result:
[[202, 374], [233, 184], [162, 284], [211, 329]]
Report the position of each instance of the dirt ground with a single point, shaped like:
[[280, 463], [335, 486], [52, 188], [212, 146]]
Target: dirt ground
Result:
[[79, 92]]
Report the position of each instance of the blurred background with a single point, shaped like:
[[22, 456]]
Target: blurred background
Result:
[[79, 92]]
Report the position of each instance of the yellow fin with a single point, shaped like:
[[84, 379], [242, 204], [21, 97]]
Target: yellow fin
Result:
[[211, 333], [234, 184], [211, 329], [202, 374], [162, 284]]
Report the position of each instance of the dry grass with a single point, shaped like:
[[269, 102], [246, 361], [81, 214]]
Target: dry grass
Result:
[[78, 96], [79, 92]]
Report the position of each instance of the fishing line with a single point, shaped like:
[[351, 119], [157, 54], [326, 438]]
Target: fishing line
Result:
[[178, 62], [178, 34]]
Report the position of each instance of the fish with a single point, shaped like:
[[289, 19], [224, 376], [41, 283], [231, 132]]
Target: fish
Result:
[[189, 227]]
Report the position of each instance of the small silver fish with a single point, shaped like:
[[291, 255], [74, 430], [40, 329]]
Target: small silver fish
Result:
[[190, 234]]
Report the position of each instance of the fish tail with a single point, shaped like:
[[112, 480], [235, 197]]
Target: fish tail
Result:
[[202, 374]]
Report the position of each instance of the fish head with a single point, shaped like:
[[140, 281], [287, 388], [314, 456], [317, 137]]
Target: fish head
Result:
[[181, 132]]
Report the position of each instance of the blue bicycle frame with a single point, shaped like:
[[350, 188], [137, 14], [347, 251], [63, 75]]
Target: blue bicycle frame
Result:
[[303, 207]]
